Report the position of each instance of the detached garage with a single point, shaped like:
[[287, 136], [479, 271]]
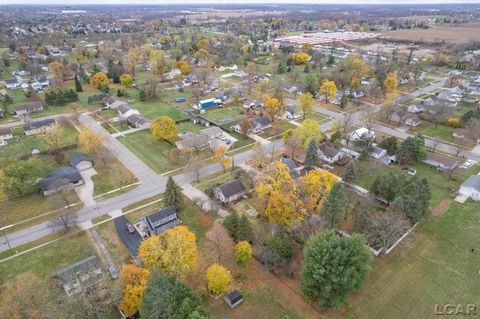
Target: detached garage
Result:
[[80, 161], [471, 188]]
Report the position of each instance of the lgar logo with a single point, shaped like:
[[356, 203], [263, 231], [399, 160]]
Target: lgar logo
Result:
[[456, 310]]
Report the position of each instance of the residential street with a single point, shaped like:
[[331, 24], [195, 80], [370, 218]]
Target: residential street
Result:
[[152, 184]]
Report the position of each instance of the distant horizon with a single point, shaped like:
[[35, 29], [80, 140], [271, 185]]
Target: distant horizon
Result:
[[234, 2]]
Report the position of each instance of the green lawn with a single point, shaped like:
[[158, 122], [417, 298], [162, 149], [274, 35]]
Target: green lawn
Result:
[[152, 152], [428, 129], [441, 186], [112, 176], [45, 261], [277, 128], [217, 115], [315, 116], [153, 109], [434, 265]]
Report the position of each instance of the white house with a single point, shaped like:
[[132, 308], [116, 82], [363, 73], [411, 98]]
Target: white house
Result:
[[5, 133], [124, 111], [80, 161], [377, 152], [11, 84], [329, 154], [471, 188], [230, 191], [358, 133], [291, 114]]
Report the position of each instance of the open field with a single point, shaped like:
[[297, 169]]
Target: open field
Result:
[[453, 34], [434, 265]]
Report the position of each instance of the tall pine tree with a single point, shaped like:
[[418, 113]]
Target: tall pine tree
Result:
[[78, 85], [350, 172], [311, 157], [173, 194], [244, 230], [335, 205]]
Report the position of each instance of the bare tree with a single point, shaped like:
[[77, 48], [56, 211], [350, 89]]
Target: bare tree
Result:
[[368, 118], [194, 166], [438, 112], [64, 220], [435, 144], [294, 145], [259, 154], [386, 228]]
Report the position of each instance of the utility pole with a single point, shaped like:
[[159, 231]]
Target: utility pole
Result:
[[6, 238]]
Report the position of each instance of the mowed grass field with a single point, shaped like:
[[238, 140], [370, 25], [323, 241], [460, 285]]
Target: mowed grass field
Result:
[[434, 265]]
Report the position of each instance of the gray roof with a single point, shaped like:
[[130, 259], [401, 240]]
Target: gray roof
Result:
[[231, 188], [473, 181], [161, 214], [36, 124], [29, 107], [57, 177], [328, 150], [5, 130], [234, 296], [77, 158], [262, 121], [123, 108]]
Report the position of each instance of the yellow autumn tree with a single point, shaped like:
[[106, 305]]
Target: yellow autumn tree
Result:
[[133, 281], [262, 87], [272, 106], [283, 207], [218, 279], [219, 153], [157, 62], [99, 79], [89, 141], [243, 253], [306, 104], [314, 186], [277, 178], [173, 251], [390, 84], [126, 80], [57, 70], [183, 66], [328, 89], [163, 128], [300, 58], [202, 53], [310, 129]]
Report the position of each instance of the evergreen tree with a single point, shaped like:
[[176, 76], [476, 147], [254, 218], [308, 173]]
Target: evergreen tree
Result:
[[119, 93], [244, 229], [335, 205], [231, 224], [142, 96], [333, 266], [173, 194], [307, 68], [350, 172], [280, 243], [78, 85], [343, 101], [311, 157]]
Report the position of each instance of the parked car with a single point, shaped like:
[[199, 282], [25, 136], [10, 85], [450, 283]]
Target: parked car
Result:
[[467, 164], [129, 227], [113, 272], [411, 171]]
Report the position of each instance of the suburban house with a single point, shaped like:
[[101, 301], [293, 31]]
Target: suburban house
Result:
[[261, 123], [158, 222], [42, 80], [27, 108], [39, 127], [329, 154], [233, 299], [137, 121], [109, 100], [172, 74], [61, 178], [358, 93], [229, 191], [11, 84], [80, 161], [192, 140], [471, 188], [415, 108], [81, 275], [291, 114], [412, 121], [292, 166], [290, 88], [377, 152], [358, 133], [5, 133], [396, 117], [124, 111], [441, 162]]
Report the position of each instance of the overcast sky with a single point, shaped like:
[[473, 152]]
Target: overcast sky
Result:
[[85, 2]]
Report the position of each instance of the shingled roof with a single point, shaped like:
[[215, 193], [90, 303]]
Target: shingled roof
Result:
[[231, 188]]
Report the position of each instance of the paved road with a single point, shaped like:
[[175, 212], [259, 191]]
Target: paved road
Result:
[[143, 191], [144, 173], [21, 122]]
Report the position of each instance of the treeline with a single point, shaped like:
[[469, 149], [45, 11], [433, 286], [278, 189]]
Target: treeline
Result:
[[60, 97]]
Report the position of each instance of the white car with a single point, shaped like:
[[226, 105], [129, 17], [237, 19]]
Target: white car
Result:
[[467, 164]]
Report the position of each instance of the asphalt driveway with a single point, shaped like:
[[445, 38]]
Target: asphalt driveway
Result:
[[131, 241]]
